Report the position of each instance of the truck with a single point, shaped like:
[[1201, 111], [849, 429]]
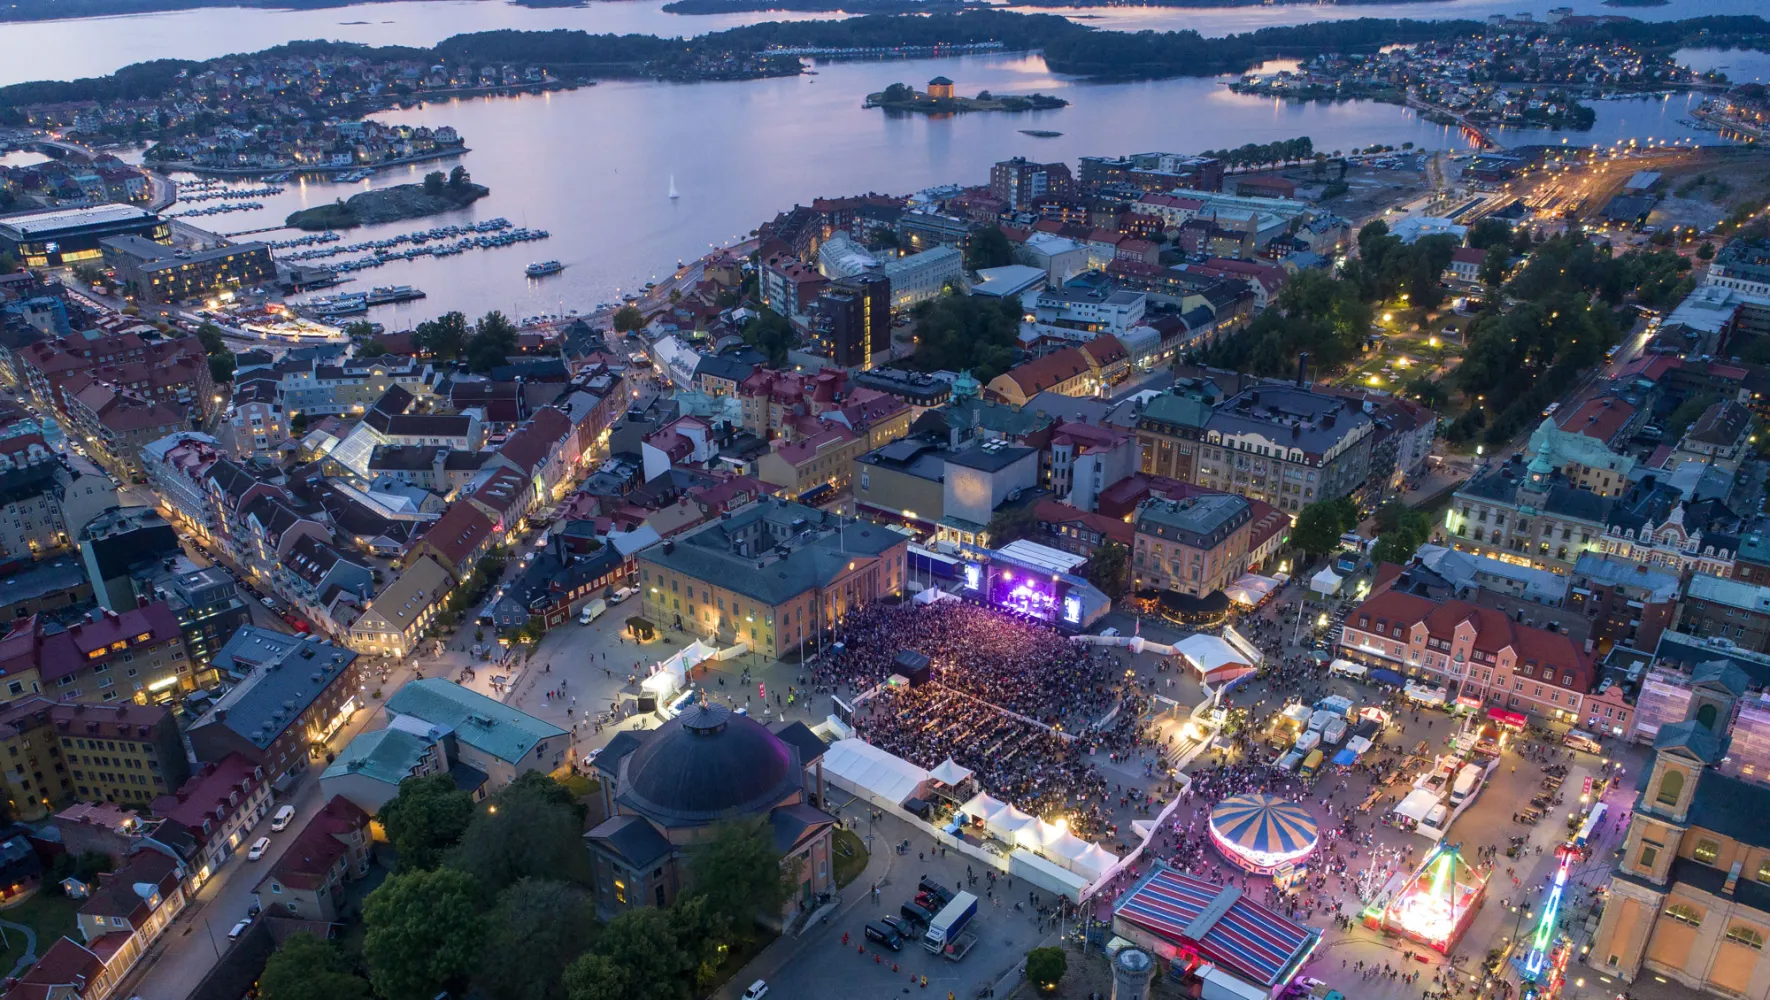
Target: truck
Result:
[[952, 919], [1468, 781], [1311, 765], [1334, 731]]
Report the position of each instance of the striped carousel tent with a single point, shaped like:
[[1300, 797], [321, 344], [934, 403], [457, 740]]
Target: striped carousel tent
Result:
[[1263, 828]]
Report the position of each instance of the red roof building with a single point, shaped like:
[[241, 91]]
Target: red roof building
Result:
[[307, 880], [1475, 652]]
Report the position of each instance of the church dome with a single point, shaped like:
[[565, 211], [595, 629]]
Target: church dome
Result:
[[706, 765]]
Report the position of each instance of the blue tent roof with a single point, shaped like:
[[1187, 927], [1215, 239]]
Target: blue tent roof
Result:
[[1385, 676], [1345, 757]]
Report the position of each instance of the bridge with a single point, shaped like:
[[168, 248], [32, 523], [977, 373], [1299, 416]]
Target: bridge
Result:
[[1470, 129]]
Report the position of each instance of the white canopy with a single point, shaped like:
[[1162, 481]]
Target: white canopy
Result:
[[983, 807], [1358, 744], [1347, 667], [865, 770], [1008, 822], [1250, 589], [1096, 861], [1417, 805], [661, 685], [950, 774], [1326, 581]]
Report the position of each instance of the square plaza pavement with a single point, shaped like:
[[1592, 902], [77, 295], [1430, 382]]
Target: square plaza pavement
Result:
[[592, 664]]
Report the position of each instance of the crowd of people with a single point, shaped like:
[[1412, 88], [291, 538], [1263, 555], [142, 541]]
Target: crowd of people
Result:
[[1010, 699], [1010, 661]]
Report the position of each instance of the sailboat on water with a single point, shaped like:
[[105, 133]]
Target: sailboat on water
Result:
[[673, 193]]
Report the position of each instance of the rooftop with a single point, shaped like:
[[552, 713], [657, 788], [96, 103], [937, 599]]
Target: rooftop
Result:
[[283, 676], [480, 722], [36, 224]]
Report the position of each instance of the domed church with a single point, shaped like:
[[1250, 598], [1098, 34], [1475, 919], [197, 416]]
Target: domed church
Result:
[[667, 788]]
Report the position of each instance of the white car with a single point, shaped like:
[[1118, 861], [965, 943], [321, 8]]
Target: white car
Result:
[[621, 595], [259, 846], [268, 602], [239, 928], [757, 990]]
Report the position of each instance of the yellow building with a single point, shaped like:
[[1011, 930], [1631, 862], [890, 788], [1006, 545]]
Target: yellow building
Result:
[[1690, 899], [53, 753]]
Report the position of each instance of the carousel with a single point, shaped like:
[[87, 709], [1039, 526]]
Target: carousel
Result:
[[1261, 833]]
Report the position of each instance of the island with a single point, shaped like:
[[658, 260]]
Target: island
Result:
[[403, 201], [1636, 3], [939, 99]]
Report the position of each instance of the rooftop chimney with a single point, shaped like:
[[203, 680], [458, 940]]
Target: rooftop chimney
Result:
[[1303, 370]]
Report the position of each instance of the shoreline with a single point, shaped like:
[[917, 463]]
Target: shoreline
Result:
[[325, 173]]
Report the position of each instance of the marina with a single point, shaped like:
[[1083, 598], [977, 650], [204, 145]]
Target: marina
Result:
[[419, 237], [221, 209], [503, 239]]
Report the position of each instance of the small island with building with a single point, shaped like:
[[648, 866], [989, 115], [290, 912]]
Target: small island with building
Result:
[[402, 201], [939, 99]]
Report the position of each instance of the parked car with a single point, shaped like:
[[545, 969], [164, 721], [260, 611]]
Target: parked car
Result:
[[268, 602], [239, 928], [621, 595], [879, 933], [757, 990], [281, 820], [259, 846]]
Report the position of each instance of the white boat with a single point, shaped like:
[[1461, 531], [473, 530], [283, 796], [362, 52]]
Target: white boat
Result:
[[541, 269], [673, 194]]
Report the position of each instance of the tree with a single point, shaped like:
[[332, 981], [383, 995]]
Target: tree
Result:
[[741, 874], [628, 318], [535, 931], [771, 334], [523, 836], [221, 367], [1319, 527], [362, 330], [459, 177], [1110, 569], [427, 818], [1401, 532], [1490, 232], [1045, 966], [307, 968], [1691, 408], [444, 337], [1011, 524], [424, 933], [1495, 264], [965, 332], [433, 183], [704, 937], [493, 341], [596, 977], [642, 943], [1706, 251], [988, 247]]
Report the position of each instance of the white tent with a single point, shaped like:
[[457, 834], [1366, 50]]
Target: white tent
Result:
[[1417, 805], [1216, 660], [1095, 861], [1358, 744], [661, 685], [983, 807], [1347, 667], [1326, 582], [685, 659], [950, 774], [1047, 875], [1007, 824], [862, 769]]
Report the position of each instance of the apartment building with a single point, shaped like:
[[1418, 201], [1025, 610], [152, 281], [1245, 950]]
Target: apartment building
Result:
[[309, 878], [1194, 546], [1287, 445], [393, 623], [291, 695], [56, 752], [219, 805]]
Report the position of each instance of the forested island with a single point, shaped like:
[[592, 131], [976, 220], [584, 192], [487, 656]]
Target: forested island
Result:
[[904, 99], [402, 201], [770, 49]]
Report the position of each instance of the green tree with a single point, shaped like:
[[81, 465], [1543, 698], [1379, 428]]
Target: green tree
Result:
[[642, 943], [361, 330], [523, 836], [741, 874], [704, 936], [1401, 532], [8, 263], [1011, 524], [1706, 251], [1319, 527], [1110, 569], [209, 335], [596, 977], [221, 367], [628, 318], [444, 337], [771, 334], [1691, 408], [988, 247], [493, 341], [424, 933], [1490, 232], [307, 968], [1495, 264], [459, 177], [535, 931], [1046, 966], [426, 819], [959, 332], [433, 183]]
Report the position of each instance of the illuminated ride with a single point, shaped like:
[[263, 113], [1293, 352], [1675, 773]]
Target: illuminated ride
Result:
[[1541, 968], [1262, 833], [1436, 904]]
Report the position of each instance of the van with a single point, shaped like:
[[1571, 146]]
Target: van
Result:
[[1579, 739], [621, 595], [280, 821], [880, 934], [592, 611], [1311, 765], [915, 914]]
